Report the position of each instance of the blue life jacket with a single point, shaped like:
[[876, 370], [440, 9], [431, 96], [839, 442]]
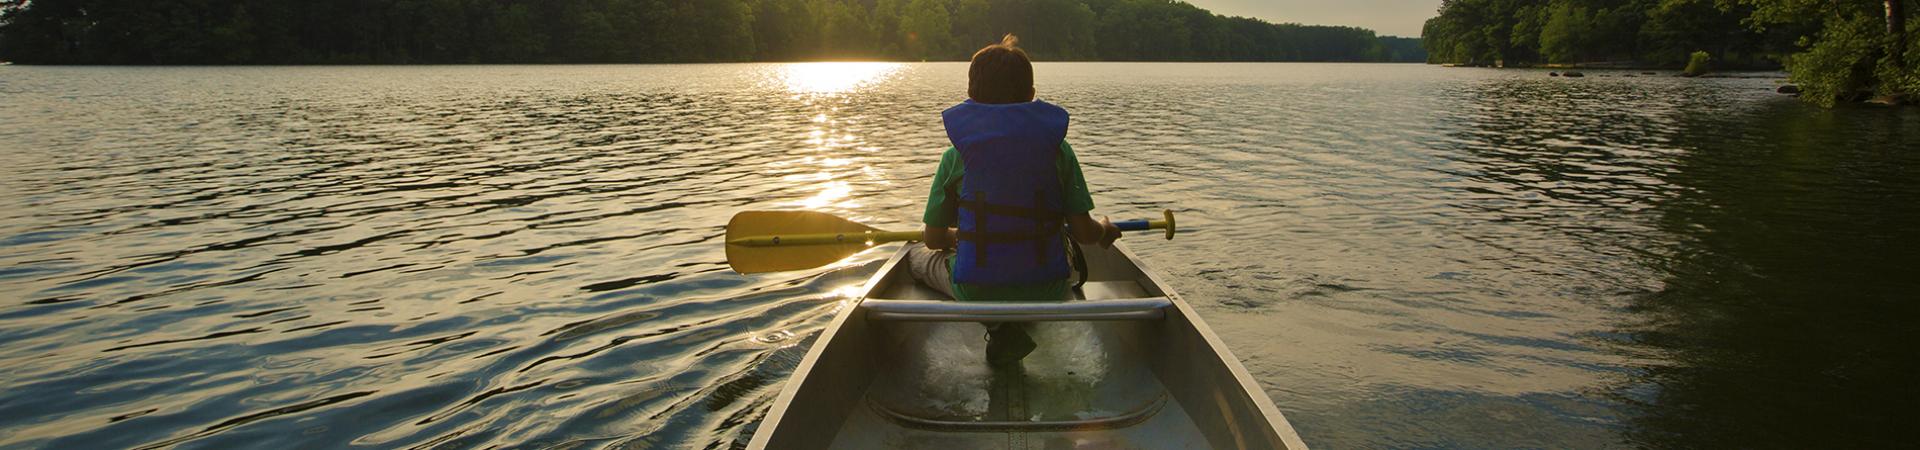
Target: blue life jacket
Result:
[[1010, 193]]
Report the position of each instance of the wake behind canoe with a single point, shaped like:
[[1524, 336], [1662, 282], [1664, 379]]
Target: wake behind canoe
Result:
[[1128, 365]]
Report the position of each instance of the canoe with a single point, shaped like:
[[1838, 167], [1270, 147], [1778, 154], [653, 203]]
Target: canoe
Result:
[[1125, 364]]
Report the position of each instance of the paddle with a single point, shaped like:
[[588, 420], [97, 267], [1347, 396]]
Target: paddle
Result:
[[774, 241]]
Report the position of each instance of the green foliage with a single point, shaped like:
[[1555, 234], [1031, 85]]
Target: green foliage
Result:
[[1902, 76], [1402, 49], [550, 31], [1839, 63], [1454, 36], [1524, 32], [1674, 29], [1832, 48], [926, 29], [1566, 33], [1698, 64], [1852, 52]]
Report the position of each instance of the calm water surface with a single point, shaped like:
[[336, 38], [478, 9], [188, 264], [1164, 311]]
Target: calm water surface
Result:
[[1403, 255]]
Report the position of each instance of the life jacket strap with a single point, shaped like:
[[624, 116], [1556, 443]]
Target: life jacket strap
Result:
[[979, 223], [1043, 233], [983, 237], [1038, 214], [1042, 226], [1077, 257]]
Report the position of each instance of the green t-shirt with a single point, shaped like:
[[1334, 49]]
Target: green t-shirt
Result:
[[941, 213]]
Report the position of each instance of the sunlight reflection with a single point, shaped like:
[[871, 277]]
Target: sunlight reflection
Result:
[[848, 291], [808, 177], [823, 86], [831, 194], [827, 78]]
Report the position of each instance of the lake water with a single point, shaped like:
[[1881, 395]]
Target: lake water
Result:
[[1402, 255]]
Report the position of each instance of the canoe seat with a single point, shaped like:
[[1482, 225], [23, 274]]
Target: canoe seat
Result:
[[1109, 290], [1150, 308]]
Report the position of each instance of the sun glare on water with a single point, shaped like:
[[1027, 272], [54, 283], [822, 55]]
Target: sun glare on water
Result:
[[828, 78], [832, 193], [835, 149]]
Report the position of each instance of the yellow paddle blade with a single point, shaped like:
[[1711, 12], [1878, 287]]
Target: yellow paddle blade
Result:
[[749, 227]]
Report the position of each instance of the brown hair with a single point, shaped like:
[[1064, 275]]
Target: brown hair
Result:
[[1001, 73]]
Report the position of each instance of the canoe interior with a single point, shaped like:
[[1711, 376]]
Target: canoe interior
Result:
[[1100, 384]]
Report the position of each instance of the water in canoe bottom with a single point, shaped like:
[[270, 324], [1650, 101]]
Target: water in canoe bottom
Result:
[[946, 375], [939, 391], [1124, 365]]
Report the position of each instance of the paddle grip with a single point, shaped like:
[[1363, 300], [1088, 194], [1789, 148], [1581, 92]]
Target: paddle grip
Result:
[[1144, 224]]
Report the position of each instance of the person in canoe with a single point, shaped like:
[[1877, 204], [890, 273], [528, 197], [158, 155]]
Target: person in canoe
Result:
[[1001, 195]]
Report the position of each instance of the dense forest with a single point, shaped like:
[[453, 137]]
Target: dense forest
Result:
[[610, 31], [1835, 49]]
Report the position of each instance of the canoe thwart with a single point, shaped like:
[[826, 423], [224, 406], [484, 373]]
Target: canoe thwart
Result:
[[1151, 308]]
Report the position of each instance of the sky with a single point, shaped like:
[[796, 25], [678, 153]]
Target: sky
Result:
[[1386, 17]]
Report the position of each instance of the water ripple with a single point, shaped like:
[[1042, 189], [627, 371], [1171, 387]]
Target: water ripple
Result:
[[442, 257]]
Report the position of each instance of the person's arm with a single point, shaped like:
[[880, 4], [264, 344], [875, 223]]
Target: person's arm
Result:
[[941, 214], [937, 238], [1079, 204], [1086, 231]]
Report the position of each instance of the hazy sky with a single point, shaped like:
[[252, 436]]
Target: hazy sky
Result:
[[1387, 17]]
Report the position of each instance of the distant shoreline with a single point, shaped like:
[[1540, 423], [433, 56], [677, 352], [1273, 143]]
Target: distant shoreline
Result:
[[1612, 66]]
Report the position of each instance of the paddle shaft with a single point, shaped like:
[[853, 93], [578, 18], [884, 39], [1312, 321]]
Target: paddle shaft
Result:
[[1141, 224], [868, 238], [776, 241], [882, 237]]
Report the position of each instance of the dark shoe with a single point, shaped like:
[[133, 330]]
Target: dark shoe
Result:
[[1008, 344]]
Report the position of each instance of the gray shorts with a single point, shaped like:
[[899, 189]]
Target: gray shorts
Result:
[[934, 268], [931, 267], [1007, 343]]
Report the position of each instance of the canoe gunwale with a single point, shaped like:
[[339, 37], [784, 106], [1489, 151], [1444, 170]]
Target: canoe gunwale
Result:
[[1269, 412], [777, 415]]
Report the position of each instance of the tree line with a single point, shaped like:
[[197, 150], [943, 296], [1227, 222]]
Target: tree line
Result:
[[1834, 49], [622, 31]]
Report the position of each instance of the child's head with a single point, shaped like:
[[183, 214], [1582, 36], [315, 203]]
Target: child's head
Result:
[[1001, 73]]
